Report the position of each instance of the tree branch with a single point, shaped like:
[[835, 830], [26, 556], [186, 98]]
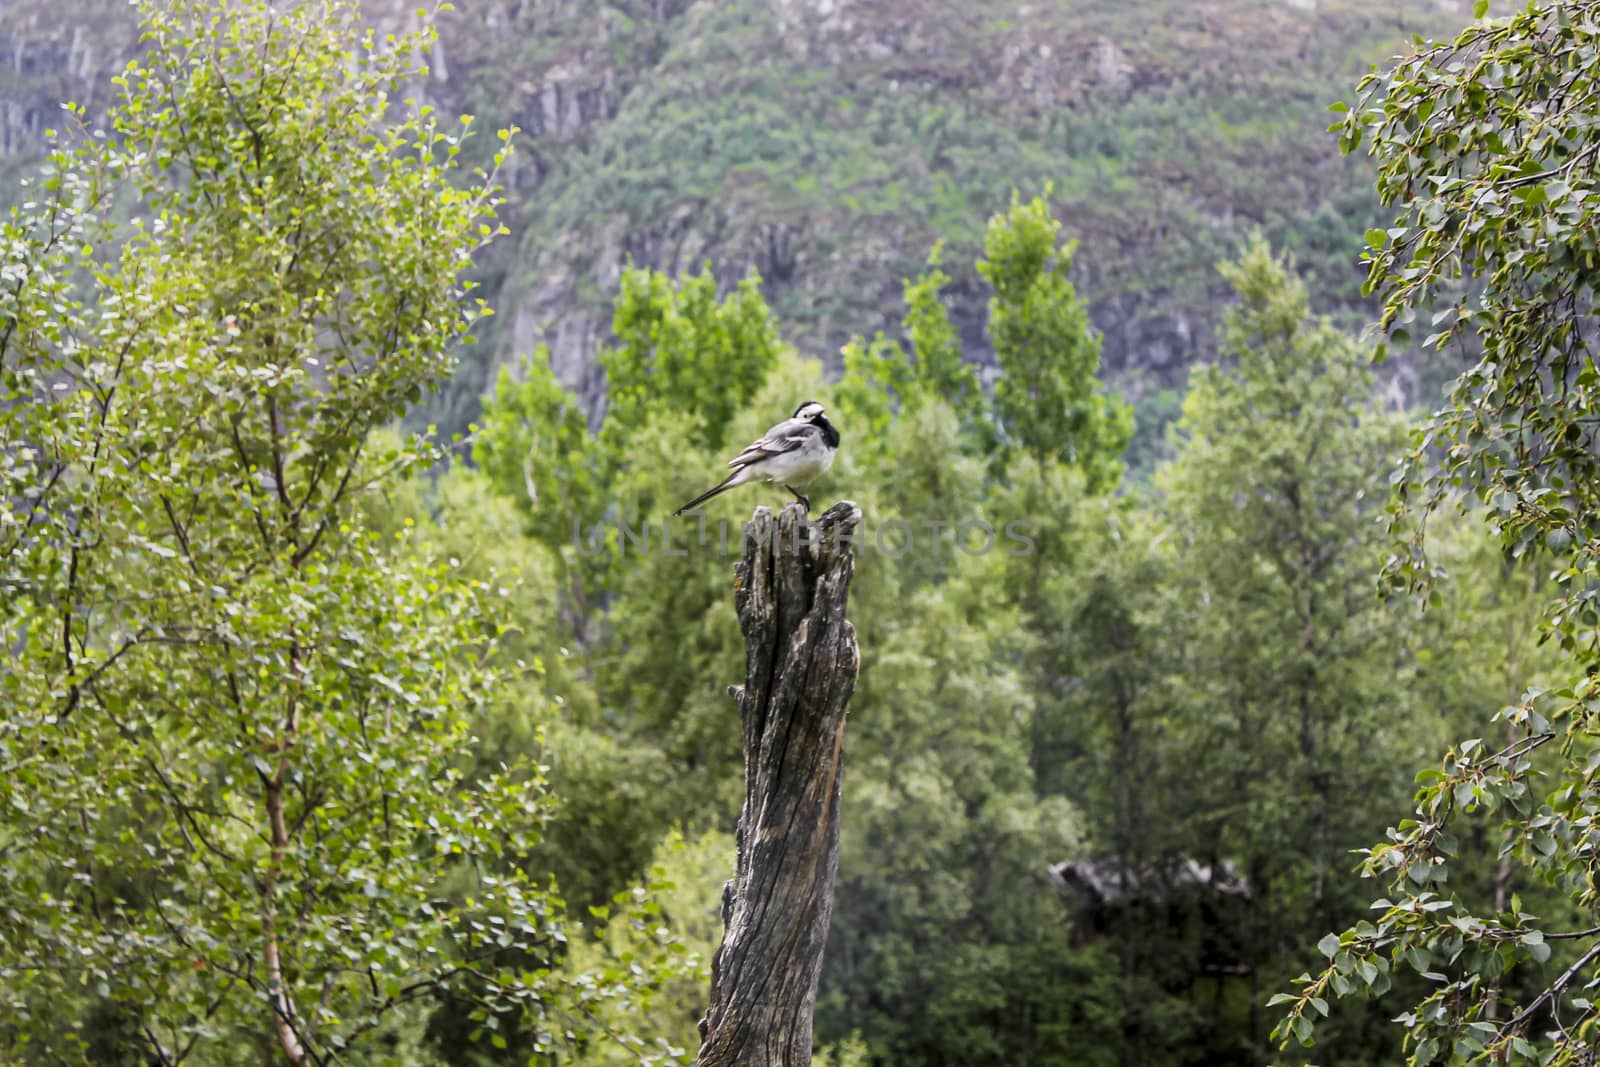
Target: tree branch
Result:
[[1551, 992]]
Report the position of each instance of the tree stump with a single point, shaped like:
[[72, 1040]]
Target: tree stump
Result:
[[800, 669]]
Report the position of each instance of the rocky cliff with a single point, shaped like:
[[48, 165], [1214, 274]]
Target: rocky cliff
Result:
[[829, 143], [51, 53]]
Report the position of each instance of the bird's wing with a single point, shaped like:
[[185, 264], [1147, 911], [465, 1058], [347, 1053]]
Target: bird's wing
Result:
[[787, 436]]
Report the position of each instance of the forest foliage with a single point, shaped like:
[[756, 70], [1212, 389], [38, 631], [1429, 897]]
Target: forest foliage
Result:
[[319, 740], [1487, 146]]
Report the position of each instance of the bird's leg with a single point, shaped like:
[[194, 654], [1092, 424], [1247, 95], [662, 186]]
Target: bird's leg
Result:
[[800, 497]]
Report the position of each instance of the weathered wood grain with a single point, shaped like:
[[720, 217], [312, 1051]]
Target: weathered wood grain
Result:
[[800, 669]]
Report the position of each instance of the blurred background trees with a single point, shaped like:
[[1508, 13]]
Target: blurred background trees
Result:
[[1104, 782]]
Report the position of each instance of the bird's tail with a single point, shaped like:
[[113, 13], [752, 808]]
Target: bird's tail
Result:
[[722, 487]]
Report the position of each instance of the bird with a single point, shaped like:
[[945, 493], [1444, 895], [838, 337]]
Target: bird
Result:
[[796, 451]]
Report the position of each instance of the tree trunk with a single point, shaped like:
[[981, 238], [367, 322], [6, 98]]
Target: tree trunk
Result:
[[800, 668]]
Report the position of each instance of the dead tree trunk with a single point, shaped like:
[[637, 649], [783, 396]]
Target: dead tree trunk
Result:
[[800, 668]]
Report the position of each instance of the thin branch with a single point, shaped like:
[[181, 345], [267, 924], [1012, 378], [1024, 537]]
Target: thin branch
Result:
[[158, 1048], [1551, 992]]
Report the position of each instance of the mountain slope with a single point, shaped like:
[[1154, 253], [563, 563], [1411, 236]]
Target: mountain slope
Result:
[[830, 143]]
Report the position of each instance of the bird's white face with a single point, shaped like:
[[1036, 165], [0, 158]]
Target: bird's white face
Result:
[[808, 411]]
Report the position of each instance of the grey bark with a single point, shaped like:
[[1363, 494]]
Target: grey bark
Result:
[[800, 669]]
